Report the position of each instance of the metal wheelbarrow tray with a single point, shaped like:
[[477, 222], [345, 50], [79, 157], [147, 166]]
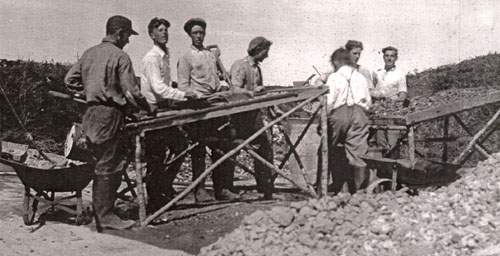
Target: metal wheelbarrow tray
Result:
[[45, 182]]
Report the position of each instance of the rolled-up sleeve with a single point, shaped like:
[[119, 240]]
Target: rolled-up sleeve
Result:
[[73, 79], [159, 87]]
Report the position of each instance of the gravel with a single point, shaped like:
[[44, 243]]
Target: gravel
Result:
[[459, 219]]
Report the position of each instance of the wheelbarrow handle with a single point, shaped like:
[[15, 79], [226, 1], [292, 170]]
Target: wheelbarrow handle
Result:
[[65, 96]]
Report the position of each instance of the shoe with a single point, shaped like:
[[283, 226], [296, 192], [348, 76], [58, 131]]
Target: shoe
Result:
[[111, 221], [201, 195], [226, 195]]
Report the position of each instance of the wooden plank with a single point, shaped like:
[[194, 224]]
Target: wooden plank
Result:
[[324, 149], [138, 178], [479, 146], [444, 156], [411, 145], [464, 155], [190, 116], [451, 108]]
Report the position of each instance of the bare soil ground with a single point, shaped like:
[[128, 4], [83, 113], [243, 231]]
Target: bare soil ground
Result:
[[189, 227]]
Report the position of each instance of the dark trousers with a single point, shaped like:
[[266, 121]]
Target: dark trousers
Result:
[[159, 176], [102, 127]]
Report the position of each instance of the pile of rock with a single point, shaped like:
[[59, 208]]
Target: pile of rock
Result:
[[460, 219]]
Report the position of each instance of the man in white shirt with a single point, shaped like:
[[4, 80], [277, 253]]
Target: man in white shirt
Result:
[[390, 80], [348, 101], [160, 93], [390, 85]]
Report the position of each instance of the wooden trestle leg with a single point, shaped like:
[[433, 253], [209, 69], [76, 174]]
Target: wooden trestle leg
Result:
[[138, 177], [323, 176]]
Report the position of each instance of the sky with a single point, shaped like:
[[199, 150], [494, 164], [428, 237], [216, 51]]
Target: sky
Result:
[[304, 33]]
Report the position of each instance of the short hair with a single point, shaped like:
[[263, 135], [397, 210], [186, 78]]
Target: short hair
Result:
[[390, 48], [352, 44], [156, 22], [194, 22], [257, 45], [341, 54]]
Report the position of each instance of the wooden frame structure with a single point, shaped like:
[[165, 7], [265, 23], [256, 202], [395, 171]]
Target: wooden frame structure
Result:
[[408, 124], [169, 119]]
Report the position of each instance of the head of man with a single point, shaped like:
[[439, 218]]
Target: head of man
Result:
[[158, 31], [339, 58], [390, 56], [355, 48], [120, 29], [258, 48], [195, 28]]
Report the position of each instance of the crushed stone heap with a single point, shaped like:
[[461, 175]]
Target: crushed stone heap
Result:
[[459, 219]]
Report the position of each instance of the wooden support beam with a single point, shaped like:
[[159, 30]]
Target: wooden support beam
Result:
[[324, 175], [301, 136], [292, 148], [189, 148], [465, 154], [452, 108], [444, 156], [224, 158], [138, 178], [411, 145], [308, 189], [478, 146]]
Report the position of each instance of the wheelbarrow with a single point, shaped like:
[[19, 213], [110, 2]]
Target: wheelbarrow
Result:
[[46, 182]]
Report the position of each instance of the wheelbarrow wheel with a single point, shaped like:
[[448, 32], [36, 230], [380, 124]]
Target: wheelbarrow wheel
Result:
[[30, 206]]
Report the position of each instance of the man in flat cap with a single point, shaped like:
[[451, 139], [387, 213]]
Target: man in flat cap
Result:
[[105, 74], [161, 92], [197, 72], [390, 84], [246, 74]]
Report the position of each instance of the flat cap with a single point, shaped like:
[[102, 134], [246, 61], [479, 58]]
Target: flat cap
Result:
[[117, 22], [257, 45], [193, 22]]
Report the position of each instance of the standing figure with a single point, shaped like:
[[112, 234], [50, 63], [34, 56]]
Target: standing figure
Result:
[[105, 74], [197, 72], [390, 85], [160, 93], [348, 102], [246, 74]]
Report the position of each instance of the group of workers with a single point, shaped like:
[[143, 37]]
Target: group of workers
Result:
[[106, 76]]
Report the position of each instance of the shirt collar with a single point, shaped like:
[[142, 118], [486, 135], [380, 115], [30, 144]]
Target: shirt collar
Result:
[[109, 39], [158, 50], [198, 50], [252, 62], [391, 69]]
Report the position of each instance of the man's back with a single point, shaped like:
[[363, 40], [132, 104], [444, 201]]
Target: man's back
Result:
[[103, 70]]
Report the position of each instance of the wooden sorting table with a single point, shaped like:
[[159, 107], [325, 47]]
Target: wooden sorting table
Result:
[[407, 124], [169, 119]]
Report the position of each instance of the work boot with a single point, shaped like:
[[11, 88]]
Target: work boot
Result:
[[201, 195], [226, 195], [103, 198]]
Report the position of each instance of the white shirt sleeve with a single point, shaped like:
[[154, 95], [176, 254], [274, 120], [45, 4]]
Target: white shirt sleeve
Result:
[[333, 90], [159, 87]]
